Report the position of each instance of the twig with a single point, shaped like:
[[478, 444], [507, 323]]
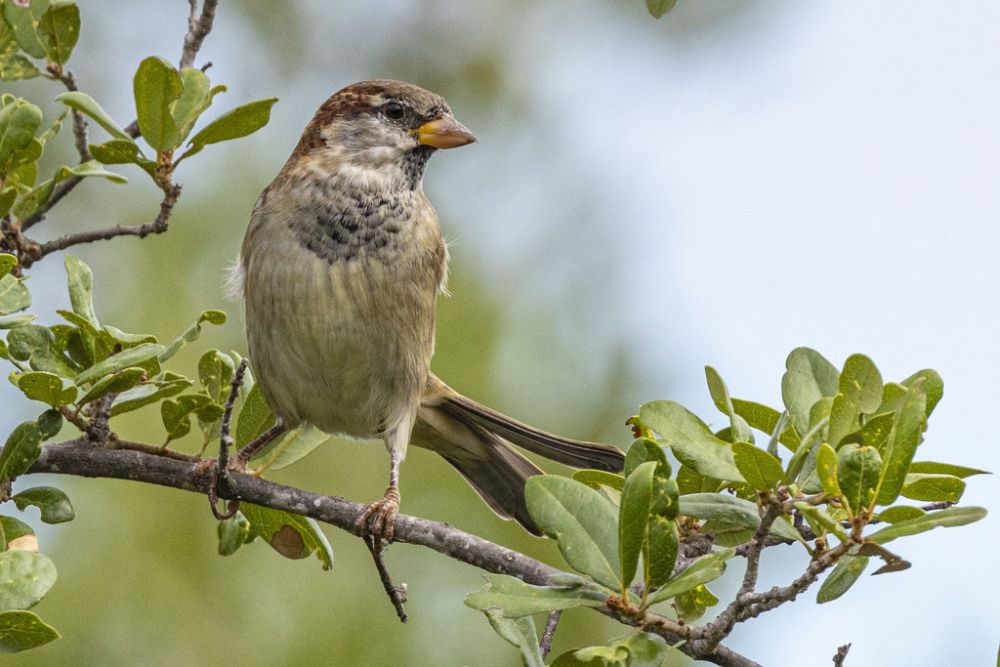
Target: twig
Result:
[[397, 594], [157, 226], [77, 458], [549, 632], [198, 28], [155, 450], [225, 438], [838, 660]]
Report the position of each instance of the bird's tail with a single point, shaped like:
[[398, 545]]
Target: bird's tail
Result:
[[476, 440]]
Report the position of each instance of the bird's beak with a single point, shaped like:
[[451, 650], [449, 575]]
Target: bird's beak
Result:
[[443, 132]]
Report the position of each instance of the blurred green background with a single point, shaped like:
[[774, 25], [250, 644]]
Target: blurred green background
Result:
[[719, 186]]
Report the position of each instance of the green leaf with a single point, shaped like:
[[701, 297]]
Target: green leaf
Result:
[[234, 124], [120, 151], [14, 296], [59, 29], [819, 516], [933, 386], [843, 576], [876, 431], [661, 553], [642, 450], [115, 383], [294, 446], [598, 478], [827, 469], [515, 598], [808, 378], [645, 649], [707, 568], [757, 415], [521, 633], [633, 518], [215, 373], [157, 86], [192, 102], [858, 470], [291, 535], [19, 120], [13, 65], [12, 529], [953, 516], [692, 605], [932, 467], [193, 332], [732, 511], [233, 533], [657, 8], [21, 21], [176, 415], [255, 417], [53, 503], [89, 168], [50, 423], [7, 263], [720, 396], [906, 434], [87, 105], [861, 382], [147, 394], [25, 578], [46, 388], [22, 448], [140, 355], [900, 513], [583, 521], [81, 285], [15, 321], [760, 469], [690, 440], [37, 345], [22, 630], [933, 488]]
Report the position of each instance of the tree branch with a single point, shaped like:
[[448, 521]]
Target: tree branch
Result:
[[157, 226], [83, 459], [198, 29]]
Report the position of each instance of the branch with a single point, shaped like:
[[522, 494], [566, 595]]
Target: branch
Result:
[[157, 226], [81, 458], [198, 29]]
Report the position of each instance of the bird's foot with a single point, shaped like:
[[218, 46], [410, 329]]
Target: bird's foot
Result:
[[378, 519], [210, 467]]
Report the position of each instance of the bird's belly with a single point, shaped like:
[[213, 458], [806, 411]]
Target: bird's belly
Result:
[[335, 345]]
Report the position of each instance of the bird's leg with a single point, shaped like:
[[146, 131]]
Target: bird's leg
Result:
[[242, 457], [377, 520]]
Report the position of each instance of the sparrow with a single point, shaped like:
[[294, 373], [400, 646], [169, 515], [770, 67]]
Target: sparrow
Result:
[[339, 273]]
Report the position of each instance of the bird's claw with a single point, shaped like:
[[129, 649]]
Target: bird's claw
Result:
[[378, 519], [210, 467]]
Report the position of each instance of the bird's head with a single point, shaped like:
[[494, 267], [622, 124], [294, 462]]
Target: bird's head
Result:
[[378, 134]]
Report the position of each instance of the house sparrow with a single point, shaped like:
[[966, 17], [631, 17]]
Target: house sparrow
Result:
[[340, 269]]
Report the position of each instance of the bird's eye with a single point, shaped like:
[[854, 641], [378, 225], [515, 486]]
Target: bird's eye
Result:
[[393, 110]]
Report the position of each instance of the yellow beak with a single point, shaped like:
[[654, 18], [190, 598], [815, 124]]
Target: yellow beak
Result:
[[443, 132]]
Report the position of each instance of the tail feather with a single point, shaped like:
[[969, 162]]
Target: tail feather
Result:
[[576, 453], [494, 469], [477, 442]]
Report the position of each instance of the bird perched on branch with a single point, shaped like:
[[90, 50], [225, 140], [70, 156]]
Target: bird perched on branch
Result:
[[340, 270]]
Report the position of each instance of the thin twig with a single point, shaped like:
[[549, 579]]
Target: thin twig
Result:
[[397, 594], [157, 226], [225, 438], [838, 660], [549, 632], [198, 28], [155, 450]]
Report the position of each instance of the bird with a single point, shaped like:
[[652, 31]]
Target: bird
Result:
[[339, 272]]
